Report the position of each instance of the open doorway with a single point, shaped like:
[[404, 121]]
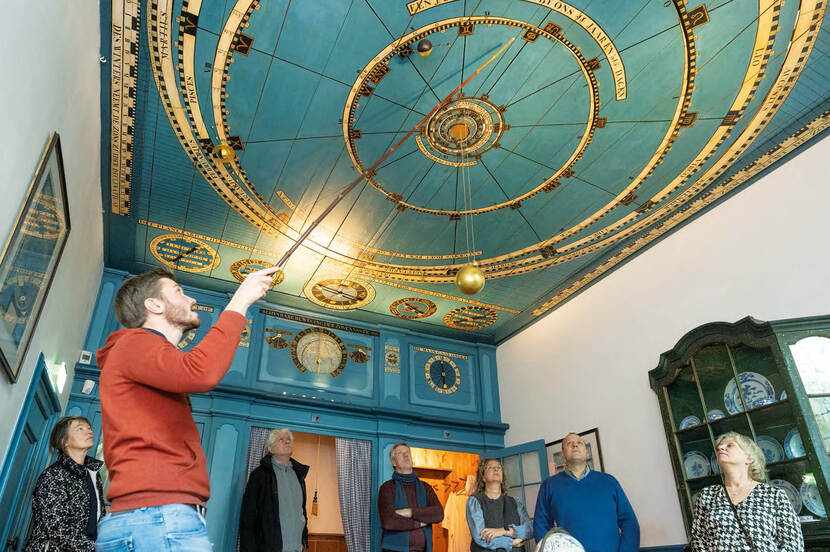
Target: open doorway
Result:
[[323, 504], [451, 475]]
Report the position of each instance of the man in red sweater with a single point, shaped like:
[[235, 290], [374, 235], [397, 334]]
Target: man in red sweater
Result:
[[407, 506], [158, 473]]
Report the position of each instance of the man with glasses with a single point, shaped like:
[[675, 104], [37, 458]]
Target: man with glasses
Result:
[[588, 504], [273, 517], [407, 506]]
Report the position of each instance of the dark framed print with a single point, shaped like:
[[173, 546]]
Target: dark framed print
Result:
[[30, 256], [556, 462]]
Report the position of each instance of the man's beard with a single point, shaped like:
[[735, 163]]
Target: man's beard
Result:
[[181, 317]]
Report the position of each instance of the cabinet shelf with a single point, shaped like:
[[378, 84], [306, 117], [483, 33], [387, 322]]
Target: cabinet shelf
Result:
[[699, 376]]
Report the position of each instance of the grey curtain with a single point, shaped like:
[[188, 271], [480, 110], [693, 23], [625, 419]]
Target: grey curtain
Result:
[[354, 485]]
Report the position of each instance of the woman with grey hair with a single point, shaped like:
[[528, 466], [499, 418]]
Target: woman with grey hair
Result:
[[745, 512]]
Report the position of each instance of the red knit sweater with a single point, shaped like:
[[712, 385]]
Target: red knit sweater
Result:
[[151, 443]]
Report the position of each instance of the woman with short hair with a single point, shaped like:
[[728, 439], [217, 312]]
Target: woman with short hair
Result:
[[745, 512], [68, 498], [497, 521]]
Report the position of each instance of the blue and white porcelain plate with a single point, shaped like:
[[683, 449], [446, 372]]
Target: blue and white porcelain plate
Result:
[[715, 414], [792, 493], [811, 498], [696, 464], [773, 451], [793, 446], [754, 387], [689, 421], [714, 461], [559, 541]]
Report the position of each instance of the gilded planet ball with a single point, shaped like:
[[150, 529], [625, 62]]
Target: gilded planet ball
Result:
[[470, 279], [424, 47], [224, 153]]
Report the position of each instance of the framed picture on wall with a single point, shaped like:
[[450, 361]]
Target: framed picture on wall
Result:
[[556, 462], [30, 256]]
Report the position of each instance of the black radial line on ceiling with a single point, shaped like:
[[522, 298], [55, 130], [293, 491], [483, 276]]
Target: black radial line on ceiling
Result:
[[386, 28], [752, 22], [543, 125], [542, 116], [305, 113], [530, 72], [438, 189], [630, 21], [519, 210], [329, 136], [393, 161], [501, 74], [152, 174]]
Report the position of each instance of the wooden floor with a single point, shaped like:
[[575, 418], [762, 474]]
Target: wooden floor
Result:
[[326, 543]]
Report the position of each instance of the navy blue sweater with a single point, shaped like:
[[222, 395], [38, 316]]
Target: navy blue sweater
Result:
[[593, 509]]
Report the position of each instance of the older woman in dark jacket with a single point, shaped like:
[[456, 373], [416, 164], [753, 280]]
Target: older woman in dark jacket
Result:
[[68, 498]]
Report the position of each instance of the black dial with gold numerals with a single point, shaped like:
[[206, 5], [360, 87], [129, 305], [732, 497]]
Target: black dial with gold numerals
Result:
[[339, 293], [319, 351], [442, 374]]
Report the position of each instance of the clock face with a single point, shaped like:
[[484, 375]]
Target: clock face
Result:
[[442, 374], [341, 294], [320, 351], [470, 318], [411, 308]]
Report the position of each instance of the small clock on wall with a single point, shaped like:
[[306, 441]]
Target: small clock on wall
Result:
[[320, 351], [442, 374]]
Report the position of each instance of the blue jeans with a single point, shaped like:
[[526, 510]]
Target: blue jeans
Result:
[[169, 528]]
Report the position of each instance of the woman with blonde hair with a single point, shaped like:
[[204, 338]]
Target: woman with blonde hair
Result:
[[745, 512], [497, 521]]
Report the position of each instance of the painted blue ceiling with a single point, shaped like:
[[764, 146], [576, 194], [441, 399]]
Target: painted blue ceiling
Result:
[[601, 127]]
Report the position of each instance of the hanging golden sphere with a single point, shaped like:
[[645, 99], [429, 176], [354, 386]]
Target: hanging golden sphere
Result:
[[277, 278], [224, 153], [470, 279]]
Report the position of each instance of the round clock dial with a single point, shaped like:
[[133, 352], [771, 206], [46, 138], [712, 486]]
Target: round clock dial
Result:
[[442, 374], [341, 294], [320, 351]]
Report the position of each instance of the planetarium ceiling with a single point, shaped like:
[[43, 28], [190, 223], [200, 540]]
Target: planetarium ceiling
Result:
[[592, 129]]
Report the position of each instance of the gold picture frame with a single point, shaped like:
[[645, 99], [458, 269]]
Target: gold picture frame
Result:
[[30, 256]]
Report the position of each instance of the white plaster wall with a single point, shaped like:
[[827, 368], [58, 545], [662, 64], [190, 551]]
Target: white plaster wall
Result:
[[762, 253], [51, 81]]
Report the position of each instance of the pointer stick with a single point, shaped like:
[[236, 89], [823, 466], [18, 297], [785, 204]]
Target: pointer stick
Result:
[[368, 172]]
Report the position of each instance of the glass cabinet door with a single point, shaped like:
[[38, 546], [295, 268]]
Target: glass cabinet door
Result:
[[812, 359]]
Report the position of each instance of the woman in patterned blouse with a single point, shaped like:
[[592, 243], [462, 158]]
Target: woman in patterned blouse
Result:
[[765, 519], [68, 499]]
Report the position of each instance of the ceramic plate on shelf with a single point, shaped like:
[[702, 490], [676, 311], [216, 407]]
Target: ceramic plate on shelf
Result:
[[754, 387], [773, 451], [811, 498], [763, 401], [695, 464], [715, 414], [714, 462], [689, 421], [792, 493], [793, 446]]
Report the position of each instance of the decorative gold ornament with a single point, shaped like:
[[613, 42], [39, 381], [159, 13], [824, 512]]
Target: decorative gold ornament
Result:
[[410, 308], [470, 318], [278, 278], [241, 268], [470, 279], [224, 153]]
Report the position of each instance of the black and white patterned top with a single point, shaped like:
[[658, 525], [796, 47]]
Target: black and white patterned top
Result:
[[766, 513]]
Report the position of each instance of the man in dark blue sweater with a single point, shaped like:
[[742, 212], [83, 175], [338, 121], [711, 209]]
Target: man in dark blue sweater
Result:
[[588, 504]]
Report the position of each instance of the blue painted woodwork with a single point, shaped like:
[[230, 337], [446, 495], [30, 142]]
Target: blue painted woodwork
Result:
[[367, 401], [27, 455]]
